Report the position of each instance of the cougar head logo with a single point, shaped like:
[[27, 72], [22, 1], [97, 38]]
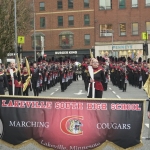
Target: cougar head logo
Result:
[[71, 125], [75, 126]]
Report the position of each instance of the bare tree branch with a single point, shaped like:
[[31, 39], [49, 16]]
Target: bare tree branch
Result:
[[7, 33]]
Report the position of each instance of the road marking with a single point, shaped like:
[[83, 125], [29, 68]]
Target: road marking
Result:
[[114, 92], [79, 93], [118, 96], [56, 89], [147, 125], [146, 138], [52, 93], [80, 78]]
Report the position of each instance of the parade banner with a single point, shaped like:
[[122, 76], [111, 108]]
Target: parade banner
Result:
[[71, 124]]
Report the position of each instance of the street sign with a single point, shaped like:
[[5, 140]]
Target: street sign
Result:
[[144, 36], [21, 39]]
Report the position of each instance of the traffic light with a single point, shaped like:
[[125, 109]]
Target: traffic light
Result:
[[19, 50], [145, 49]]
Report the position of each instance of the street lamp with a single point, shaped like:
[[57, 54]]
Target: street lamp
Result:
[[15, 24], [34, 33]]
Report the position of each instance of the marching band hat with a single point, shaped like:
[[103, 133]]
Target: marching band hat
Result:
[[135, 62], [116, 59], [85, 58], [24, 65], [140, 60], [53, 59], [98, 58], [144, 61]]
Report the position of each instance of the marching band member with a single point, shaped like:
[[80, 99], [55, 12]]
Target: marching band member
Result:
[[25, 76], [107, 80], [48, 81], [16, 78], [45, 80], [125, 83], [35, 79], [3, 82], [62, 79], [99, 78]]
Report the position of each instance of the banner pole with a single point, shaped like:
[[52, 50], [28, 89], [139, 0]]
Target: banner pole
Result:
[[149, 131], [148, 138]]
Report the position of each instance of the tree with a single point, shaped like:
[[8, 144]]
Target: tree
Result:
[[7, 29]]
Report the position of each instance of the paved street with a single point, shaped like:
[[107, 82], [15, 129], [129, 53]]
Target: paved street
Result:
[[76, 90]]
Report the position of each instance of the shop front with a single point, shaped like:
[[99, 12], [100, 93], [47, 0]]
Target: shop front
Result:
[[125, 50], [72, 54]]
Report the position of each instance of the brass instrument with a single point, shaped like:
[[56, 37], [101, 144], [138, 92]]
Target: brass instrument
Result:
[[28, 80], [91, 54]]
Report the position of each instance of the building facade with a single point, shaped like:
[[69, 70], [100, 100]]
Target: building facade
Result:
[[67, 27], [72, 27], [119, 25]]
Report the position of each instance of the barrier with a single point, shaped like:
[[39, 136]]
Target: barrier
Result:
[[148, 137], [71, 124]]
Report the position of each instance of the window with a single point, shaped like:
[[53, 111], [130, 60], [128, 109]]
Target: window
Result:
[[106, 30], [37, 40], [86, 20], [135, 29], [42, 6], [70, 4], [148, 27], [147, 3], [87, 39], [60, 20], [71, 20], [42, 22], [122, 29], [134, 3], [59, 4], [66, 39], [122, 4], [86, 3], [107, 4]]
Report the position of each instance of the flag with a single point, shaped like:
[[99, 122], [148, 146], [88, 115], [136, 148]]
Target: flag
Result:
[[146, 86], [25, 85], [91, 54], [28, 67]]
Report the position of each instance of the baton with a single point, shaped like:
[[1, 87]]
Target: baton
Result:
[[93, 90], [13, 86]]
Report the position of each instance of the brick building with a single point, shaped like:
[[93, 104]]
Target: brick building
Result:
[[72, 27], [67, 27], [119, 25]]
